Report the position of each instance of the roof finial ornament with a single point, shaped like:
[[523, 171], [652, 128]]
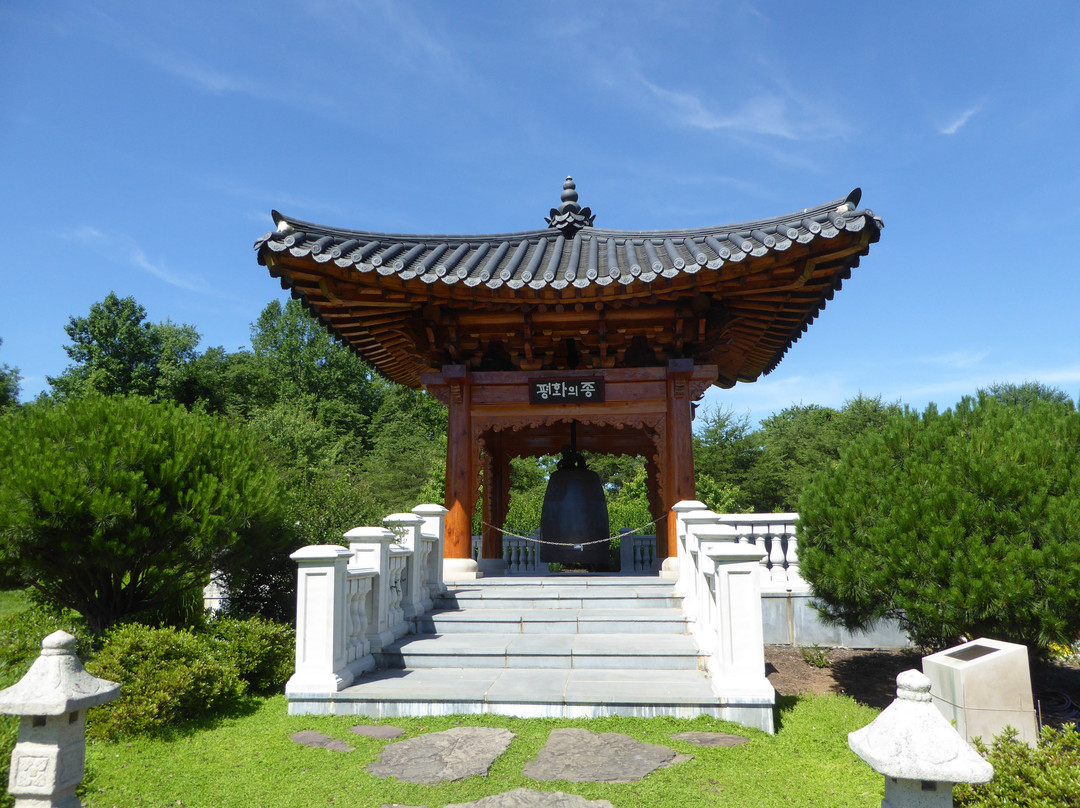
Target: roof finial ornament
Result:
[[570, 217]]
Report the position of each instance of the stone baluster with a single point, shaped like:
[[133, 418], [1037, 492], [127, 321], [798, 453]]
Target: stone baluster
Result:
[[358, 585], [433, 529], [321, 664], [398, 584], [794, 577], [370, 548], [51, 700], [414, 595], [776, 555], [920, 753]]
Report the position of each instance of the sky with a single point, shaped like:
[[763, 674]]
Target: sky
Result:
[[143, 146]]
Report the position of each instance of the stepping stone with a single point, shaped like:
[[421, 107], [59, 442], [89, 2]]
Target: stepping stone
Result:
[[382, 733], [316, 740], [527, 798], [582, 756], [710, 738], [443, 756]]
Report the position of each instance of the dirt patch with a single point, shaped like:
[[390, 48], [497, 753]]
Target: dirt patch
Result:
[[869, 677]]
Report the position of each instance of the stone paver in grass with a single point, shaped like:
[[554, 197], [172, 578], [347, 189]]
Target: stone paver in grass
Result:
[[442, 756], [316, 740], [582, 756], [382, 733], [524, 798], [710, 738], [527, 798]]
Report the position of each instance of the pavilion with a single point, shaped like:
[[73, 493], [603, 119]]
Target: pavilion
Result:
[[620, 331]]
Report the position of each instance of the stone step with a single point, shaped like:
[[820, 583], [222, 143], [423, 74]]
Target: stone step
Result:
[[548, 651], [655, 620], [520, 692], [529, 596]]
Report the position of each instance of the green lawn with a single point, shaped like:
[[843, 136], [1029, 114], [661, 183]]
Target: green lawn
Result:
[[12, 601], [250, 761]]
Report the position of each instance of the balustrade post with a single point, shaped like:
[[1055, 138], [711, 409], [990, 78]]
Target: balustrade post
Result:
[[681, 509], [693, 583], [740, 648], [370, 548], [434, 526], [321, 666], [415, 599]]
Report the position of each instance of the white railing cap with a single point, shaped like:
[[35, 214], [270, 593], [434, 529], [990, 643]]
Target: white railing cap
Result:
[[319, 552], [403, 519], [715, 531], [370, 534], [700, 516], [688, 505], [758, 518], [429, 509], [726, 551]]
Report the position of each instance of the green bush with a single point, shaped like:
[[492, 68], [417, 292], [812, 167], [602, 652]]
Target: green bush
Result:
[[959, 524], [262, 652], [117, 506], [1046, 777], [167, 677]]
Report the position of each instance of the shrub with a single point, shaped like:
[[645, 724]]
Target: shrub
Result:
[[167, 676], [1046, 777], [117, 506], [962, 524], [262, 652]]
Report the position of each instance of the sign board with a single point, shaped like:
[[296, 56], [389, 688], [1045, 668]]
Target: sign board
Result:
[[566, 391]]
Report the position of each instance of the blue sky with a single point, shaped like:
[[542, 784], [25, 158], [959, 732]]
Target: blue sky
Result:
[[143, 145]]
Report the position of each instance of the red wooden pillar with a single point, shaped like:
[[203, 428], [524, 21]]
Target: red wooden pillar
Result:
[[460, 472], [494, 512], [680, 444]]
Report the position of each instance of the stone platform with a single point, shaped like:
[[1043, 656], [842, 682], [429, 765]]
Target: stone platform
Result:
[[558, 646]]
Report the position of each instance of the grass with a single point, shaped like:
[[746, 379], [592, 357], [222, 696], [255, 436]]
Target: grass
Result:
[[249, 761], [12, 601]]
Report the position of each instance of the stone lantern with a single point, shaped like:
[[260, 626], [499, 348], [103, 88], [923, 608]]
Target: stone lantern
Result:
[[51, 700], [917, 750]]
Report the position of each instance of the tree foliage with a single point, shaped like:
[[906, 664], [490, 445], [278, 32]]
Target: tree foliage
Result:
[[1024, 395], [800, 441], [116, 352], [9, 385], [959, 524], [117, 506]]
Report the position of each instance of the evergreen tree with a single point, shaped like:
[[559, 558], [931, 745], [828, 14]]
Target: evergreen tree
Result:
[[959, 524], [118, 507], [9, 385]]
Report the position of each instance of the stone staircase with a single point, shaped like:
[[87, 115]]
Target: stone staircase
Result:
[[553, 646]]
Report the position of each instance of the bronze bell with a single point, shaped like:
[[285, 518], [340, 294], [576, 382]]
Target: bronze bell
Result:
[[574, 513]]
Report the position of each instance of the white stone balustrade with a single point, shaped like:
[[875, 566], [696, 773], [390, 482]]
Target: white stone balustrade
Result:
[[431, 533], [522, 556], [775, 534], [353, 602], [415, 596], [720, 581]]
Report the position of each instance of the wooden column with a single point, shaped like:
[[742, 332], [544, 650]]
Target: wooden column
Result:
[[680, 449], [460, 472], [494, 513]]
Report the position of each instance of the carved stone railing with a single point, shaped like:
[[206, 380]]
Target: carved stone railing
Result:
[[719, 579], [351, 602], [775, 534]]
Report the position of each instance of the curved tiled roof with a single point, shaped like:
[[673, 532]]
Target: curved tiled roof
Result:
[[735, 295], [547, 258]]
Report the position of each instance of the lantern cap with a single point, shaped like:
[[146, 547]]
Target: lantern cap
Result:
[[56, 683], [912, 740]]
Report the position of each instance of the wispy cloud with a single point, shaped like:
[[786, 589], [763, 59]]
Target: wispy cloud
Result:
[[762, 115], [956, 123], [119, 244], [959, 359]]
